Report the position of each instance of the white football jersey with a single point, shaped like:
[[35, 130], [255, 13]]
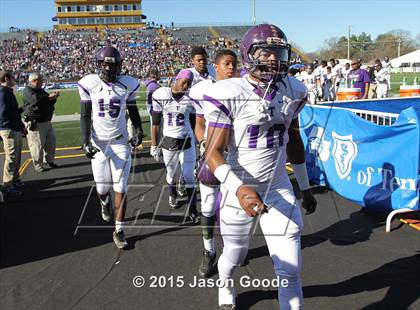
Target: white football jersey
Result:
[[196, 94], [345, 72], [108, 102], [328, 78], [336, 70], [381, 76], [386, 65], [309, 79], [258, 127], [175, 113], [319, 71], [197, 77]]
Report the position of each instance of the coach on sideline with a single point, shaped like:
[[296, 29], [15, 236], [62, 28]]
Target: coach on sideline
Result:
[[11, 129], [38, 110]]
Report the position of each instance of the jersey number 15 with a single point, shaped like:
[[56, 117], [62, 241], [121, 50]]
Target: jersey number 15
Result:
[[114, 108]]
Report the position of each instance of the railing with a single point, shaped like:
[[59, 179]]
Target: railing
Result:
[[379, 118], [221, 24]]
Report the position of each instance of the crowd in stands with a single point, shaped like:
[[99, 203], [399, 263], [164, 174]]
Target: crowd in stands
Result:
[[67, 55]]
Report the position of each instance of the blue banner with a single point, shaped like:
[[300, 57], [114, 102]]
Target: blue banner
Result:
[[145, 45], [372, 165]]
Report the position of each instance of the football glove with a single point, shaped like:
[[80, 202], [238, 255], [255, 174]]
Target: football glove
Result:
[[309, 203], [90, 150], [155, 152], [137, 138]]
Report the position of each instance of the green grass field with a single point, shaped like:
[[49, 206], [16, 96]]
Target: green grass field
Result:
[[69, 101], [397, 80], [68, 133]]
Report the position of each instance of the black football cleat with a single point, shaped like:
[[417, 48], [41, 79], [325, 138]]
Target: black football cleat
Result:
[[173, 202], [195, 218], [119, 239], [207, 265]]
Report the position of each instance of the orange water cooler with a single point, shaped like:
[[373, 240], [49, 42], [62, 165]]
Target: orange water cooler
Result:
[[409, 90], [348, 93]]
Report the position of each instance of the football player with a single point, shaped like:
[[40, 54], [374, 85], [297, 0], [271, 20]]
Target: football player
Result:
[[381, 80], [309, 79], [386, 63], [225, 64], [104, 99], [175, 108], [319, 72], [200, 70], [257, 119]]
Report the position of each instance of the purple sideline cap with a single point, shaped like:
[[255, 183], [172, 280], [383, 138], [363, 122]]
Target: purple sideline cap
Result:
[[184, 74]]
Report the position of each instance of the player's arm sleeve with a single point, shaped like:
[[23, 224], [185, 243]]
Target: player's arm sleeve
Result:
[[156, 110], [217, 113], [295, 149], [85, 113], [132, 109], [134, 115], [156, 118], [192, 119], [85, 121]]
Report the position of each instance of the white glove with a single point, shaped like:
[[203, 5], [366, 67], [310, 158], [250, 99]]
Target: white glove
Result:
[[155, 152]]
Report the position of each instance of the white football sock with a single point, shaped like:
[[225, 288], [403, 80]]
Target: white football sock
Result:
[[119, 225], [209, 245]]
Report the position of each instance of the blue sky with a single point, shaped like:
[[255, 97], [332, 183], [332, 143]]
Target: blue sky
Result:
[[306, 22]]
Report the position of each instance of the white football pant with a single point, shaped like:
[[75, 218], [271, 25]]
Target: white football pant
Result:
[[187, 160], [111, 166], [281, 227]]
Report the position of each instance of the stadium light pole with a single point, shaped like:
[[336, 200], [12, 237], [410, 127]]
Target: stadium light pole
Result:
[[254, 13]]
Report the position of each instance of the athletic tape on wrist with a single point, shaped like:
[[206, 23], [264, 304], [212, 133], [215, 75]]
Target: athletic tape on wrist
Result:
[[228, 178], [301, 175]]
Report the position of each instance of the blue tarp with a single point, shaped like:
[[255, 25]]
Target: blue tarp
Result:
[[372, 165]]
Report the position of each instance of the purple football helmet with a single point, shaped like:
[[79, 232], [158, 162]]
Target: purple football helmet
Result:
[[205, 175], [112, 57], [270, 38]]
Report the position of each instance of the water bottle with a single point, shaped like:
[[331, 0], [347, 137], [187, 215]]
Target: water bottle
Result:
[[415, 81], [404, 82]]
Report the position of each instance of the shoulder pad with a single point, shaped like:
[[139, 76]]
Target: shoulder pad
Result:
[[129, 82], [89, 82]]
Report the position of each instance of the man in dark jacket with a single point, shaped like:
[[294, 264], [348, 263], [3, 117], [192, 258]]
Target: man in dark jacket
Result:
[[11, 129], [38, 111]]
